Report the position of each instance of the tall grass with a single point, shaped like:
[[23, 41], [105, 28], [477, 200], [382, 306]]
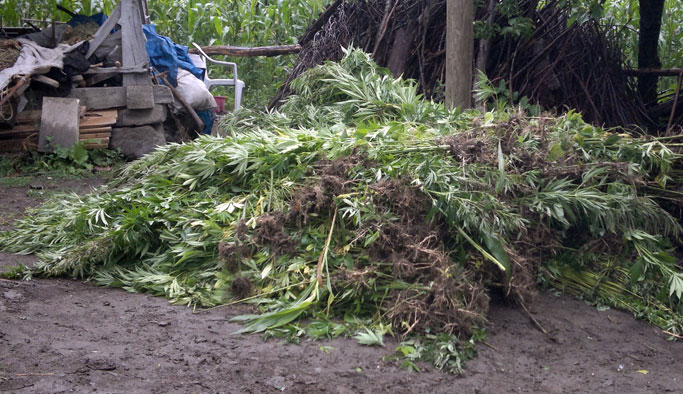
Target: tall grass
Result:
[[13, 11]]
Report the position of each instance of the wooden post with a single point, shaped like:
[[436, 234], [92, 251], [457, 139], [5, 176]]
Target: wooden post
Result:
[[133, 42], [459, 52], [648, 41]]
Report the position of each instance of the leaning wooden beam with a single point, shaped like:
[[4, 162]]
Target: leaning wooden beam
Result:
[[660, 72], [184, 103], [275, 50], [104, 30]]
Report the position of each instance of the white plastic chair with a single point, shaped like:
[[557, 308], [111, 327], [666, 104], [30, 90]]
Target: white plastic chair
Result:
[[234, 81]]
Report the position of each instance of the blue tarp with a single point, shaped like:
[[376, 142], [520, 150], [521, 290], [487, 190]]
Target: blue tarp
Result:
[[82, 19], [165, 55], [207, 116]]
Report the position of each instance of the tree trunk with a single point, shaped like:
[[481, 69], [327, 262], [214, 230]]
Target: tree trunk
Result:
[[650, 26], [459, 50], [485, 43]]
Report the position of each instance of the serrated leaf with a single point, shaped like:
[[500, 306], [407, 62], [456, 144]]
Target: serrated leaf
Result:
[[555, 152], [636, 271], [369, 338], [676, 285]]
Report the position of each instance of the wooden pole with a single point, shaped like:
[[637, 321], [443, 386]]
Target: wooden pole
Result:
[[184, 103], [274, 50], [648, 41], [459, 52]]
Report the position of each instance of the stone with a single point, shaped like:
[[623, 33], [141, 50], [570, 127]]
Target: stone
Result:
[[139, 97], [135, 142], [139, 117]]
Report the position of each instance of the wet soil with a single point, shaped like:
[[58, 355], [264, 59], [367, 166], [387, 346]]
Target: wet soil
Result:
[[60, 335]]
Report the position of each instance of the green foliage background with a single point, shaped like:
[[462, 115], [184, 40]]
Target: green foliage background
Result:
[[625, 16], [271, 22]]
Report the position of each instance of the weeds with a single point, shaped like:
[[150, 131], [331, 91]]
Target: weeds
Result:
[[73, 162], [17, 272], [446, 352]]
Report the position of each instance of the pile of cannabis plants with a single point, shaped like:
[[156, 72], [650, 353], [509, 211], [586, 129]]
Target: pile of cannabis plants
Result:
[[357, 201]]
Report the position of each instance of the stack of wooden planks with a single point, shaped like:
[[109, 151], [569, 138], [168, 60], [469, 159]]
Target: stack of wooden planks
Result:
[[94, 130]]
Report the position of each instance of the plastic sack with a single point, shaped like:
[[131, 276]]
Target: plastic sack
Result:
[[194, 91]]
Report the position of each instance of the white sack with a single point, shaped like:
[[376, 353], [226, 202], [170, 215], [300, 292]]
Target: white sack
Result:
[[194, 92]]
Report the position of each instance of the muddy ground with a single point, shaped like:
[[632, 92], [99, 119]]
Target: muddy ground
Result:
[[61, 335]]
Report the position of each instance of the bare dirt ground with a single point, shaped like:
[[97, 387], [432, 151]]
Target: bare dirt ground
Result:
[[60, 335]]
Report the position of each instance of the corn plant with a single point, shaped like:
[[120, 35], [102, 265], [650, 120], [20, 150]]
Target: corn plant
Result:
[[14, 11]]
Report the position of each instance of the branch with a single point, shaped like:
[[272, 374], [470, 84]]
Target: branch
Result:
[[660, 72], [183, 102], [275, 50]]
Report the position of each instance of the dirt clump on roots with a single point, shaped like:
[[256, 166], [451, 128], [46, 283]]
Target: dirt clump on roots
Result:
[[241, 287], [232, 253], [468, 147], [306, 201], [270, 232], [226, 250], [318, 198], [478, 145], [408, 248], [443, 293]]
